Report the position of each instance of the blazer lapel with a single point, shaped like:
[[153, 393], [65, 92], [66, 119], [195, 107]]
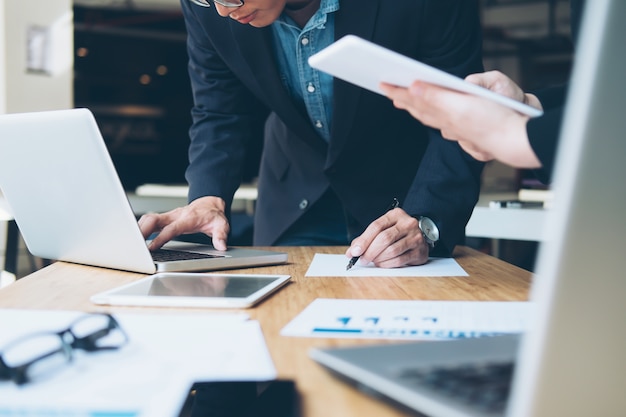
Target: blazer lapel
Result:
[[256, 48], [356, 17]]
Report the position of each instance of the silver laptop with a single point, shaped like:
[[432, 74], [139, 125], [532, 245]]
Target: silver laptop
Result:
[[69, 204], [572, 360]]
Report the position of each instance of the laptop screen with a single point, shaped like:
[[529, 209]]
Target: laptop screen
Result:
[[572, 357]]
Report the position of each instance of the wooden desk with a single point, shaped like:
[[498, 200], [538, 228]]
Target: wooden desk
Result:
[[67, 286]]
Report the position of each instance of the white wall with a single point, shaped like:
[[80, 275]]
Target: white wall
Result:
[[22, 89], [3, 91]]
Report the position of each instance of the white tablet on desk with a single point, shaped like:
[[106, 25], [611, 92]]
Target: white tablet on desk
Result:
[[366, 64], [179, 289]]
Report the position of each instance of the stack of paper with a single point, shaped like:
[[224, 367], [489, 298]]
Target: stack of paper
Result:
[[150, 376]]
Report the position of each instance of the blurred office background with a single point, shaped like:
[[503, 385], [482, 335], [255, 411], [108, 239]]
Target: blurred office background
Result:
[[126, 61]]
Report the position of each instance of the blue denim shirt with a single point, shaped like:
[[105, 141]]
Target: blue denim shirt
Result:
[[309, 87]]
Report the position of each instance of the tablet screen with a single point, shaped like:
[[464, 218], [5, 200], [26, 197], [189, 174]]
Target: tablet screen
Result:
[[179, 289], [177, 285], [366, 64]]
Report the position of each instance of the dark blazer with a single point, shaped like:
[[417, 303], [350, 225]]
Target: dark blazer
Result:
[[543, 132], [543, 135], [376, 152]]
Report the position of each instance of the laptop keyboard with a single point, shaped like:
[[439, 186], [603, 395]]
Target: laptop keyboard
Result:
[[169, 255], [484, 386]]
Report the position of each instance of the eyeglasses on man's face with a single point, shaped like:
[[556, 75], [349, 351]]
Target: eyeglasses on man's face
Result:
[[35, 356], [225, 3]]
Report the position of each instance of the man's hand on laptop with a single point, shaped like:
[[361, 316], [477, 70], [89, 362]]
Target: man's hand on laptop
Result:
[[204, 215]]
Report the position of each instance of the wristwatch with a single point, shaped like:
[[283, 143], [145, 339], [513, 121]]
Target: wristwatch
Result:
[[429, 229]]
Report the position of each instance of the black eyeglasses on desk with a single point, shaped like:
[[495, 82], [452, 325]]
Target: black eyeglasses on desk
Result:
[[36, 355]]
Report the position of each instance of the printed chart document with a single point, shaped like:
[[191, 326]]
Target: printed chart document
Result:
[[150, 376], [408, 319], [331, 265]]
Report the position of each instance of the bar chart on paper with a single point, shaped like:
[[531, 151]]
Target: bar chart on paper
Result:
[[408, 319]]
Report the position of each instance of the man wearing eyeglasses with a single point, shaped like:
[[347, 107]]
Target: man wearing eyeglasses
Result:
[[334, 155]]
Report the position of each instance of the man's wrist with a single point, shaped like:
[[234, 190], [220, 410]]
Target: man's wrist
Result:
[[217, 203], [429, 230]]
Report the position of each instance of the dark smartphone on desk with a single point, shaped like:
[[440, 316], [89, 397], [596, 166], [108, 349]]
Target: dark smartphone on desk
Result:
[[277, 398], [515, 204]]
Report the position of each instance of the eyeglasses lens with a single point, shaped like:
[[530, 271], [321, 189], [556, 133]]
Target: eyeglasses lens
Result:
[[35, 357], [38, 355], [225, 3], [96, 332]]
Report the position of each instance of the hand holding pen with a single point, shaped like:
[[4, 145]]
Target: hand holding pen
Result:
[[395, 203]]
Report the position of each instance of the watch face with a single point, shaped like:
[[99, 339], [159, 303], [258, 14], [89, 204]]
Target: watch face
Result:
[[429, 228]]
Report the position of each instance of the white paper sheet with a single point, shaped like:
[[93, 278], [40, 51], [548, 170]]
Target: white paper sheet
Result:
[[408, 319], [331, 265], [210, 347], [150, 376], [112, 384]]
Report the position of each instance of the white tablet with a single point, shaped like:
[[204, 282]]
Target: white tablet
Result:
[[366, 64], [180, 289]]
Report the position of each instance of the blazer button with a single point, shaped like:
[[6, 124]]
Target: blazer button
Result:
[[303, 204]]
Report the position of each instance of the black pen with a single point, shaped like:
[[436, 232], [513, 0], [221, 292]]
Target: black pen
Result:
[[395, 203]]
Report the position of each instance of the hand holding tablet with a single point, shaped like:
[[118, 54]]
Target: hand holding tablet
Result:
[[366, 64]]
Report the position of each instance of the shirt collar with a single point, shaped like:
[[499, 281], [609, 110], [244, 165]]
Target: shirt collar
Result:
[[319, 18]]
